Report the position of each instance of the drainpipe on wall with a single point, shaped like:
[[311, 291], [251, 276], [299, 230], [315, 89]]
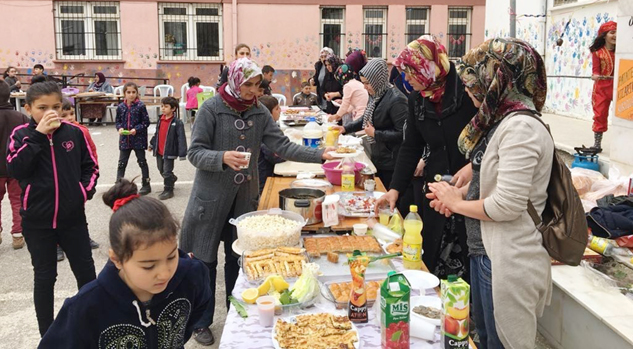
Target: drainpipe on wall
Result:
[[234, 4], [513, 18], [545, 30]]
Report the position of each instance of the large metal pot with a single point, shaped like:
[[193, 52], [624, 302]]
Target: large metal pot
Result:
[[304, 201]]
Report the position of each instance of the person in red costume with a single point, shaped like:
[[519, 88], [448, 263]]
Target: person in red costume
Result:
[[603, 60]]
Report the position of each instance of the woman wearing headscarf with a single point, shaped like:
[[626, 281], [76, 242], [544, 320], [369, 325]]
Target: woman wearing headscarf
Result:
[[512, 154], [319, 75], [226, 125], [355, 96], [439, 108], [331, 88], [356, 60], [93, 112], [383, 120]]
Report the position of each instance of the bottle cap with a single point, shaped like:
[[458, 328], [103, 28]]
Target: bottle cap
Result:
[[312, 119], [452, 278], [413, 208]]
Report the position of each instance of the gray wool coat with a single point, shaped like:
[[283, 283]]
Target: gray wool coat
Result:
[[216, 186]]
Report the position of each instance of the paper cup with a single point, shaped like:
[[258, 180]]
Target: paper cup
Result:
[[360, 229], [247, 155]]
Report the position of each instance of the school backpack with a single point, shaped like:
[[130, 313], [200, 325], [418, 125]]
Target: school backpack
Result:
[[563, 223]]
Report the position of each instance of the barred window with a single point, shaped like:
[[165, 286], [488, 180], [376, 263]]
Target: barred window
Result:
[[87, 30], [458, 31], [564, 2], [375, 35], [417, 22], [333, 28], [190, 31]]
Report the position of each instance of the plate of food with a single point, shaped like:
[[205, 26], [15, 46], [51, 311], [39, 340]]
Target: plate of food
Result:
[[427, 308], [358, 204], [338, 291], [320, 330], [345, 152], [285, 261]]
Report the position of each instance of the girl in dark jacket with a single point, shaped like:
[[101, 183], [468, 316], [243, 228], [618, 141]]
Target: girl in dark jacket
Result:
[[132, 122], [148, 295], [439, 108], [383, 120], [57, 172]]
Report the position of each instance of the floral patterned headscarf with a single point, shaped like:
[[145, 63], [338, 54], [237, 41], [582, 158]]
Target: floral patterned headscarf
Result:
[[425, 60], [344, 74], [328, 52], [240, 71], [506, 75]]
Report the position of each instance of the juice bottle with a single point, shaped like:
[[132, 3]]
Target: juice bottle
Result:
[[331, 137], [348, 177], [455, 296], [412, 240], [357, 307], [395, 294]]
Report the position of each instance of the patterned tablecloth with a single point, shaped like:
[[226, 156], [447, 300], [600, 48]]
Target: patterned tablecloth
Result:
[[248, 334]]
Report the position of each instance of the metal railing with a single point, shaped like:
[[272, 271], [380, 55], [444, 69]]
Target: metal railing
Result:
[[73, 80]]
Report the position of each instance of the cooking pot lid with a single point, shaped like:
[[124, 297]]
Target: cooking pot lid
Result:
[[311, 183]]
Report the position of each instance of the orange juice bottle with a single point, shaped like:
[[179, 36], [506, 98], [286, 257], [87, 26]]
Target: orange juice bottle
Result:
[[412, 240]]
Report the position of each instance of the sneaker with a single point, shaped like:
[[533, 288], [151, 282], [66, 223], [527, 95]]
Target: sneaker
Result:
[[18, 242], [93, 244], [203, 336], [60, 254], [166, 194]]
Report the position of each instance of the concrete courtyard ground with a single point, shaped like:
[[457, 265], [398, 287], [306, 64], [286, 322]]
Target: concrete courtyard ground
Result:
[[18, 326]]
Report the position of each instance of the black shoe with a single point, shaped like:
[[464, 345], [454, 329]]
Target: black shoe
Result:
[[166, 194], [60, 254], [146, 188], [203, 336], [93, 244]]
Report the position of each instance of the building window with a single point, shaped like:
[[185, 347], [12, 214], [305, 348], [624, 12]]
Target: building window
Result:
[[375, 35], [190, 31], [87, 30], [458, 36], [564, 2], [417, 22], [333, 28]]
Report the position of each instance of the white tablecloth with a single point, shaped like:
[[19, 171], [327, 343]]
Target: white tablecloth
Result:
[[248, 334]]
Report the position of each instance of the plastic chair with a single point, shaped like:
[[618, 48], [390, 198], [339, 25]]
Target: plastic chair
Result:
[[163, 90], [183, 100], [208, 89], [111, 109], [281, 98], [142, 90]]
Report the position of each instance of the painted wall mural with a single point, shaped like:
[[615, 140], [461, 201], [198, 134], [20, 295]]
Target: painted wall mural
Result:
[[569, 65]]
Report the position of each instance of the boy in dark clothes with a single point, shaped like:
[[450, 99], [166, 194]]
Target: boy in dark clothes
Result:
[[169, 142], [267, 158], [305, 98]]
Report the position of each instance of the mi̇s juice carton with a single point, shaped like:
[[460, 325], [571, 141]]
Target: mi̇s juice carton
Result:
[[395, 293], [455, 294]]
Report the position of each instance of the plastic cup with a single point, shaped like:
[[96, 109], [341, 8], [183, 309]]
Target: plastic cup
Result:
[[384, 215], [55, 123], [360, 229], [247, 155], [370, 185], [266, 309]]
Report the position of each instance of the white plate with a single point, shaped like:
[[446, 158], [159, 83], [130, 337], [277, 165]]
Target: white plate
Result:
[[293, 319], [427, 301], [421, 280], [237, 248], [334, 154]]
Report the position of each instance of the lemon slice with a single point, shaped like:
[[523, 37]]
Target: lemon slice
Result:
[[280, 284], [264, 287], [250, 295]]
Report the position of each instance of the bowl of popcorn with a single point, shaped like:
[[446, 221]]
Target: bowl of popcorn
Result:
[[268, 229]]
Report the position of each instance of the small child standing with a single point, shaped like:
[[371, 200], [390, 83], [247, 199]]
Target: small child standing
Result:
[[148, 295], [68, 114], [267, 158], [603, 61], [305, 98], [132, 122], [58, 173], [169, 142], [192, 95]]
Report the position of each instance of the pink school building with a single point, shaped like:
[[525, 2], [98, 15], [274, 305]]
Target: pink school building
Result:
[[178, 39]]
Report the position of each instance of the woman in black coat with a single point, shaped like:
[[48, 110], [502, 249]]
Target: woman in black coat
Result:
[[319, 75], [439, 109]]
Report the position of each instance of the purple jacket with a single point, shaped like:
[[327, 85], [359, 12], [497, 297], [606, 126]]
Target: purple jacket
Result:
[[132, 117]]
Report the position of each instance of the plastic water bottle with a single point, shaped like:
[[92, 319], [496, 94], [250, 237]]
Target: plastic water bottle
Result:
[[312, 134]]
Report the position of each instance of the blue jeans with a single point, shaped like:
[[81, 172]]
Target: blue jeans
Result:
[[483, 308]]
